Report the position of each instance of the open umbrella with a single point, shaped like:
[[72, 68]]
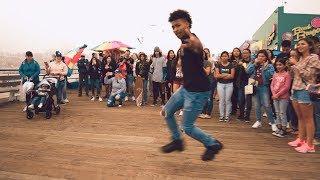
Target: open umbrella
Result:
[[110, 45]]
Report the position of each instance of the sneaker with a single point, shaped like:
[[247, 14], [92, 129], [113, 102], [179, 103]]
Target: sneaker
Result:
[[288, 125], [201, 116], [133, 98], [100, 99], [256, 125], [126, 98], [181, 113], [246, 120], [25, 109], [211, 151], [296, 143], [92, 99], [175, 145], [40, 105], [270, 123], [207, 116], [119, 105], [316, 142], [305, 148], [31, 106], [153, 104], [274, 128], [264, 115], [221, 119], [227, 119], [66, 100], [279, 133]]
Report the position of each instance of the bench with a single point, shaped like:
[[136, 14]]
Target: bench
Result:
[[10, 83]]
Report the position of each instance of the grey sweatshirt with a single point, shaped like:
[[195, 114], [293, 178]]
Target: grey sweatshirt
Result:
[[118, 86]]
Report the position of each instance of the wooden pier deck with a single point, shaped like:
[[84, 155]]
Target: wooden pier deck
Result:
[[90, 141]]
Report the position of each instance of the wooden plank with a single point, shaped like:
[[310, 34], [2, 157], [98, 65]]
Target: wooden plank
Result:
[[90, 141]]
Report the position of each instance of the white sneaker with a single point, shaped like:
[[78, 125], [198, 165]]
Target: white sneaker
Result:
[[269, 123], [100, 99], [181, 113], [66, 100], [256, 125], [24, 109], [201, 116], [288, 125], [126, 98], [40, 105], [92, 99], [274, 128], [133, 98], [31, 106], [119, 105], [206, 116]]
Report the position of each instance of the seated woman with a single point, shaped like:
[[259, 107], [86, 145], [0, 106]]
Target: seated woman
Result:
[[118, 92], [42, 94]]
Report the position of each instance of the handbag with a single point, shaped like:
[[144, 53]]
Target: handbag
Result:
[[251, 87]]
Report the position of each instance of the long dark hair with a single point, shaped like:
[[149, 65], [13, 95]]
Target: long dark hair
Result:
[[168, 55], [310, 42], [282, 61], [263, 51], [232, 55]]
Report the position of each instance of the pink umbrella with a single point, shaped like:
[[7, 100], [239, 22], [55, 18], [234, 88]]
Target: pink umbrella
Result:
[[110, 45]]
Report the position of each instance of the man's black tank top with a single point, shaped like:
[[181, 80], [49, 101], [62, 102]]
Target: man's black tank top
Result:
[[194, 76]]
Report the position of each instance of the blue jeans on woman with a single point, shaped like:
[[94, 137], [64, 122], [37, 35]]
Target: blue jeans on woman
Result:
[[145, 90], [225, 92], [192, 104], [207, 109], [95, 84], [60, 86], [113, 98], [262, 98], [280, 106]]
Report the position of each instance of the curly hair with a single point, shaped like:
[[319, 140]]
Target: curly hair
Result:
[[180, 14]]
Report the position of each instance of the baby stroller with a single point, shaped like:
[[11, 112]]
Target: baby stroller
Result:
[[49, 103]]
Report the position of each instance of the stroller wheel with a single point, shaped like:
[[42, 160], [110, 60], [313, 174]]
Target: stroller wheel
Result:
[[48, 114], [30, 114], [57, 109]]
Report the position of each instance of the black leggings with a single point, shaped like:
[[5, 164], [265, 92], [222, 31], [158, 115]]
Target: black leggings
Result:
[[158, 88]]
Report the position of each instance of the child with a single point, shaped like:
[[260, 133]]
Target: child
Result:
[[280, 87], [41, 94], [118, 92]]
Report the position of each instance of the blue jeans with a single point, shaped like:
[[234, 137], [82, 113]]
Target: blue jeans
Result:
[[129, 82], [64, 91], [241, 100], [225, 92], [207, 109], [145, 90], [60, 86], [280, 106], [39, 99], [112, 99], [262, 98], [317, 117], [192, 104], [95, 84]]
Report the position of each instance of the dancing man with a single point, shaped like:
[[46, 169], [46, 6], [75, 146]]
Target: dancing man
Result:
[[194, 93]]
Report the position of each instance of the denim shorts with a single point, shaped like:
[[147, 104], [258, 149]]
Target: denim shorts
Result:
[[301, 96]]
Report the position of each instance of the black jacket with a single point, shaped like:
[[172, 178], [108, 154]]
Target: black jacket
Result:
[[142, 69]]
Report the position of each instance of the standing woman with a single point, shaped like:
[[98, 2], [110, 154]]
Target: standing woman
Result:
[[95, 75], [262, 72], [142, 71], [157, 66], [224, 74], [235, 58], [305, 73], [168, 84]]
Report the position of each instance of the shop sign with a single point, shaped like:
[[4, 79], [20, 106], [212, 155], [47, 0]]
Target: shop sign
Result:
[[311, 29]]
